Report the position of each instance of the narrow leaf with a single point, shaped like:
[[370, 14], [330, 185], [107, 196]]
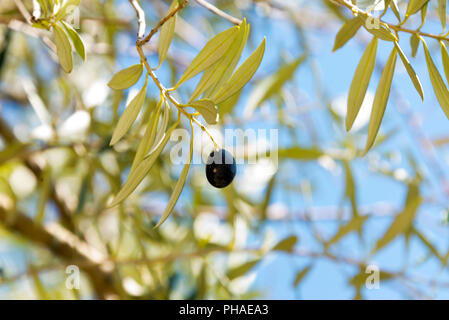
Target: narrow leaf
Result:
[[63, 48], [381, 99], [211, 53], [360, 82], [347, 32], [301, 275], [166, 36], [411, 72], [207, 108], [242, 75], [178, 188], [126, 77], [414, 6], [440, 89], [129, 115], [242, 269], [142, 169], [76, 40], [354, 225], [403, 221], [287, 244], [414, 44], [445, 59], [442, 12]]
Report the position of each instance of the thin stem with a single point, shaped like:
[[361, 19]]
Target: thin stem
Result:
[[219, 12]]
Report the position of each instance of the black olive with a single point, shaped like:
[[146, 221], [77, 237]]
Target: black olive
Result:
[[220, 168]]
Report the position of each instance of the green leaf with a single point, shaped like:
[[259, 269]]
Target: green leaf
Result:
[[381, 99], [129, 115], [63, 48], [242, 75], [414, 6], [76, 40], [350, 191], [220, 72], [126, 77], [438, 85], [299, 153], [179, 186], [360, 82], [163, 127], [414, 44], [148, 137], [287, 244], [211, 53], [442, 12], [272, 84], [142, 169], [301, 275], [411, 72], [207, 108], [355, 224], [445, 59], [403, 221], [166, 36], [395, 9], [347, 32], [242, 269], [382, 32]]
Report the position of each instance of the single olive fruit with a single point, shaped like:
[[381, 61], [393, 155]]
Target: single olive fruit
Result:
[[220, 168]]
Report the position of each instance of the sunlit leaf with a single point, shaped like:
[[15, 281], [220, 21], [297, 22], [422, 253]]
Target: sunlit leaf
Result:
[[63, 48], [300, 153], [126, 77], [271, 84], [301, 275], [129, 115], [241, 76], [414, 44], [207, 108], [360, 82], [445, 59], [179, 186], [439, 87], [211, 52], [347, 31], [355, 224], [142, 169], [381, 99], [411, 72], [442, 12], [166, 36], [76, 40], [414, 6]]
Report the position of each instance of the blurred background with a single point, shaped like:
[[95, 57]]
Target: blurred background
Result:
[[305, 228]]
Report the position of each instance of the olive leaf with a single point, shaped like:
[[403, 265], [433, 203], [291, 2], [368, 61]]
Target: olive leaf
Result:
[[126, 77], [272, 84], [64, 9], [166, 36], [414, 44], [207, 108], [242, 75], [445, 59], [355, 224], [142, 169], [360, 81], [242, 269], [411, 72], [414, 6], [442, 12], [76, 40], [216, 74], [163, 127], [287, 244], [347, 32], [223, 69], [381, 99], [63, 48], [440, 89], [382, 32], [148, 137], [179, 186], [301, 275], [129, 115], [299, 153], [211, 52], [403, 221]]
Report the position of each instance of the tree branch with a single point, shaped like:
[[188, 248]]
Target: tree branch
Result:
[[219, 12]]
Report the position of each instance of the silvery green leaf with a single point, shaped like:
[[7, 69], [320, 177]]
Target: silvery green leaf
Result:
[[126, 77]]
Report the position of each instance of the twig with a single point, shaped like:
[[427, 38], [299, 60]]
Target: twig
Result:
[[395, 27], [219, 12], [23, 10]]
